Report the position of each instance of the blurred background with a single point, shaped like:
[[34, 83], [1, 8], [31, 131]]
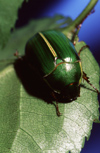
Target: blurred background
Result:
[[90, 33]]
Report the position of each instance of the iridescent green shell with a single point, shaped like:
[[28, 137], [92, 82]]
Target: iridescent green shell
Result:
[[56, 59]]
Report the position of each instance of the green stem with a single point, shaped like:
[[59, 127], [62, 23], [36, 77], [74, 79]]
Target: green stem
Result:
[[82, 16]]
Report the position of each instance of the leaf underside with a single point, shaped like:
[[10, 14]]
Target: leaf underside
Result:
[[27, 122]]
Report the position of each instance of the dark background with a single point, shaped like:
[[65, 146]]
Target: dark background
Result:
[[90, 33]]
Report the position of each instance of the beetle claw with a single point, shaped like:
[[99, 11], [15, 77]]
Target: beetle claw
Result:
[[59, 114]]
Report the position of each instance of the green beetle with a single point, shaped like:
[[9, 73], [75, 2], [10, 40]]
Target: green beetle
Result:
[[56, 59]]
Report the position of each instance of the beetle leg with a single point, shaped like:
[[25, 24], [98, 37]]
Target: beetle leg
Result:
[[82, 49], [75, 34], [57, 108], [87, 80]]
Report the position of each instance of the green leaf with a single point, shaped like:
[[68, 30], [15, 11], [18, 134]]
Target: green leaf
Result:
[[27, 122], [8, 17]]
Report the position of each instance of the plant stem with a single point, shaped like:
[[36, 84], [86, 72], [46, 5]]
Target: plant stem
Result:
[[82, 16]]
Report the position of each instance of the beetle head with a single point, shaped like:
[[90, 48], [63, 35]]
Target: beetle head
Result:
[[71, 91]]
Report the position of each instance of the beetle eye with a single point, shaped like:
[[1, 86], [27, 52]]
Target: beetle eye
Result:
[[74, 83], [71, 84]]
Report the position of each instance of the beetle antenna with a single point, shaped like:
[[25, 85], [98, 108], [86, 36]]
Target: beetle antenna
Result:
[[87, 80]]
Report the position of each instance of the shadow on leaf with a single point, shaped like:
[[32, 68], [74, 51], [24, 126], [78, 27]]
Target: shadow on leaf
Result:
[[31, 80]]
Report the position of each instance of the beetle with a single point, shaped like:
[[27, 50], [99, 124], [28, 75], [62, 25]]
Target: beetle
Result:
[[55, 58]]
